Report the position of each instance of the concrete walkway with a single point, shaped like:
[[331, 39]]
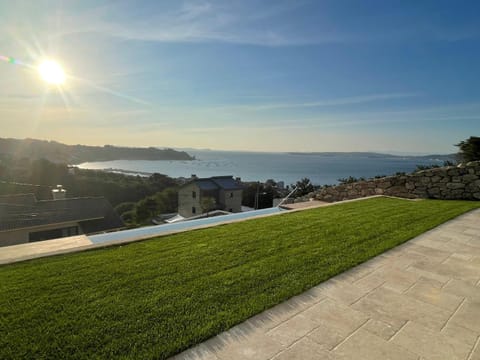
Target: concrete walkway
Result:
[[420, 300], [21, 252]]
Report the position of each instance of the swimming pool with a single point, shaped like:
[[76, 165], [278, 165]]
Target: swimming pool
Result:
[[184, 225]]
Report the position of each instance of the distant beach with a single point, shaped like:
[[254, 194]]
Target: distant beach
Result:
[[320, 168]]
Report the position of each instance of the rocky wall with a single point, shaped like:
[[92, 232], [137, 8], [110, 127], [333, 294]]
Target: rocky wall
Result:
[[451, 182]]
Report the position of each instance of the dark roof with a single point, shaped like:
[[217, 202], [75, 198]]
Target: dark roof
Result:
[[227, 183], [217, 183], [206, 184], [15, 215]]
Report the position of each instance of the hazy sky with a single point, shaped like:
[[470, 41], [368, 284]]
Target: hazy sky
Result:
[[249, 75]]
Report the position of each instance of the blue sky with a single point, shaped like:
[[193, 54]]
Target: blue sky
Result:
[[397, 76]]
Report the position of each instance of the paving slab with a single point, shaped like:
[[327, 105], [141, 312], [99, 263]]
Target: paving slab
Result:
[[468, 315], [435, 296], [383, 303], [380, 328], [364, 345], [431, 344], [305, 349], [475, 353], [420, 300], [464, 289]]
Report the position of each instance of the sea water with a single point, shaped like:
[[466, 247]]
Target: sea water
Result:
[[320, 168]]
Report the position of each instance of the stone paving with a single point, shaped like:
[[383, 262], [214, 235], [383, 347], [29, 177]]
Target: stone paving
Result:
[[419, 301]]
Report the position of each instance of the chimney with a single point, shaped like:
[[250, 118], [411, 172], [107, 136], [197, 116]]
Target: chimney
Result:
[[59, 193]]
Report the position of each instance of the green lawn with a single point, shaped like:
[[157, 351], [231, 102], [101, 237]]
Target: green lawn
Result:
[[154, 298]]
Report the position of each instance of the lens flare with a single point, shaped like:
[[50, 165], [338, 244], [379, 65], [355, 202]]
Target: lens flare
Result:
[[51, 72]]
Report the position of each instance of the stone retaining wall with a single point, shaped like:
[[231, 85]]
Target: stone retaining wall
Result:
[[452, 182]]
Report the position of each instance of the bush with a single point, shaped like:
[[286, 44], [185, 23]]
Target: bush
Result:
[[128, 217], [124, 207], [426, 167], [469, 149], [350, 179]]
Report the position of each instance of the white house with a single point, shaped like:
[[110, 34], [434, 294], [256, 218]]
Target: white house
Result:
[[224, 192]]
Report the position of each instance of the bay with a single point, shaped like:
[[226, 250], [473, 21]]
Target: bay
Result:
[[320, 168]]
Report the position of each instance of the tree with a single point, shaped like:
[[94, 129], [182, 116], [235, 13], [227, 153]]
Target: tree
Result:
[[469, 149], [270, 182], [258, 195], [304, 187], [151, 205], [145, 210], [129, 217], [142, 212], [208, 203], [124, 207], [167, 200]]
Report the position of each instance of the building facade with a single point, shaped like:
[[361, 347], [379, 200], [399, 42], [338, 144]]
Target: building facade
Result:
[[201, 195], [24, 219]]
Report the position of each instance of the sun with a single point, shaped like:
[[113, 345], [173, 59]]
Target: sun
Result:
[[51, 72]]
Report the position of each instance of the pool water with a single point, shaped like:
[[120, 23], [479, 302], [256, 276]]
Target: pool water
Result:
[[183, 225]]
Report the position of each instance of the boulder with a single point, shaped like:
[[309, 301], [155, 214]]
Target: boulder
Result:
[[455, 185], [469, 178], [425, 180], [384, 184], [410, 185], [458, 193], [328, 198]]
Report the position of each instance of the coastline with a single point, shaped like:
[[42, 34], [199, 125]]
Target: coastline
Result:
[[289, 168]]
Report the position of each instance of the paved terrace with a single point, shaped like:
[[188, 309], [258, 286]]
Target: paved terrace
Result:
[[420, 300]]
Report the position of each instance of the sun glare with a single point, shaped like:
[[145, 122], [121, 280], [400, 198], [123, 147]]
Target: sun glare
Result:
[[51, 72]]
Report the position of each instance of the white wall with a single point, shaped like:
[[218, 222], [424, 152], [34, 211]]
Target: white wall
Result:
[[234, 203], [186, 201]]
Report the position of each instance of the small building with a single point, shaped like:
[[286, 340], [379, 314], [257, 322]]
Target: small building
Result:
[[24, 219], [223, 192]]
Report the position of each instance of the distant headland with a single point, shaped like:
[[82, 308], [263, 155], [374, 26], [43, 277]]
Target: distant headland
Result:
[[441, 157], [77, 154]]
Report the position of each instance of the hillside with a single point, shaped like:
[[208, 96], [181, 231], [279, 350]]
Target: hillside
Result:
[[76, 154]]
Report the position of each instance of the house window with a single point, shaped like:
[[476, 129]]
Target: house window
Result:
[[194, 194], [231, 195], [194, 210], [70, 231]]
